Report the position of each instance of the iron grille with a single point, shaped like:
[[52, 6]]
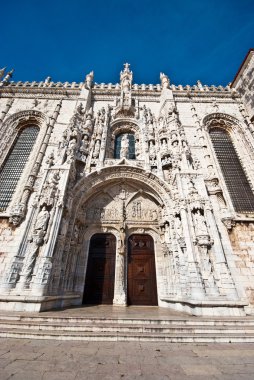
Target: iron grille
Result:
[[236, 181], [14, 164]]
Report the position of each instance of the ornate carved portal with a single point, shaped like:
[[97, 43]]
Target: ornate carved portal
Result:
[[116, 213]]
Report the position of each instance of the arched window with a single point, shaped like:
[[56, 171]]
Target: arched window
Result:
[[237, 183], [125, 146], [15, 162]]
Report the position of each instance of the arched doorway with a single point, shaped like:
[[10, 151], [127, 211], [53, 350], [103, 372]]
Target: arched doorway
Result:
[[142, 288], [100, 274]]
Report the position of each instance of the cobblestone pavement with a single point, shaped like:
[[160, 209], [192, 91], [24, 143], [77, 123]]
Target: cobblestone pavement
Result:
[[25, 359]]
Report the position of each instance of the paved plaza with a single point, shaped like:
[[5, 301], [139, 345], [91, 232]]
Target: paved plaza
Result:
[[24, 359]]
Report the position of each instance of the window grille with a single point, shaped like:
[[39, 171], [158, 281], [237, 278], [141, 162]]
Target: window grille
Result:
[[236, 181], [15, 162], [131, 148]]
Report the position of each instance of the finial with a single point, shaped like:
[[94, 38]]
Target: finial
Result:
[[164, 80], [126, 67], [47, 80], [126, 78], [89, 80], [199, 84], [2, 71], [8, 76]]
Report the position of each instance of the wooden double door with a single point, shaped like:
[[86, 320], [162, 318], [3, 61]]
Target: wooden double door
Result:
[[100, 274], [142, 288], [141, 276]]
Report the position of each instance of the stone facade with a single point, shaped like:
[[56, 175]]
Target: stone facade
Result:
[[244, 83], [76, 184]]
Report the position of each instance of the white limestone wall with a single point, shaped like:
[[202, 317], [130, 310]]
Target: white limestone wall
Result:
[[244, 83]]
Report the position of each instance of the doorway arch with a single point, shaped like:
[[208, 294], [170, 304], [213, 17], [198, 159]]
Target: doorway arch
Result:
[[100, 274]]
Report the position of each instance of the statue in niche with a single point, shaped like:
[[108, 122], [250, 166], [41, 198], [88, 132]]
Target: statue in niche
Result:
[[164, 145], [84, 145], [144, 114], [126, 79], [124, 147], [191, 185], [152, 150], [36, 241], [200, 224], [99, 129], [71, 150], [188, 156], [62, 147], [196, 163], [175, 147], [150, 131], [96, 149], [126, 84], [42, 220], [88, 123], [149, 116], [50, 189], [178, 227], [121, 249]]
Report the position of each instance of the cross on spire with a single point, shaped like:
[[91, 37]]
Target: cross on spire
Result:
[[126, 67]]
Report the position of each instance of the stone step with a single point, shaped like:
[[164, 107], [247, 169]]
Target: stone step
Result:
[[246, 321], [106, 336], [115, 328]]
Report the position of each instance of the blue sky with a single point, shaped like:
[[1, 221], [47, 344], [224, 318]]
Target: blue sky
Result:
[[186, 39]]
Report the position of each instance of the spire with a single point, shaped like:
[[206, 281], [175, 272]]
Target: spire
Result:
[[124, 103], [2, 71], [126, 67], [126, 78], [8, 76], [89, 80]]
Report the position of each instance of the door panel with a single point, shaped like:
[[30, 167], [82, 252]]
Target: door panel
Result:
[[100, 275], [142, 288]]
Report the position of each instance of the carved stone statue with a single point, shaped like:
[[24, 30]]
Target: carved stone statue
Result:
[[175, 147], [178, 227], [164, 81], [121, 249], [126, 78], [96, 149], [50, 188], [124, 146], [88, 127], [152, 150], [84, 144], [200, 224], [42, 220]]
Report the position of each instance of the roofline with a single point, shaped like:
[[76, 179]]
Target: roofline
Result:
[[240, 68]]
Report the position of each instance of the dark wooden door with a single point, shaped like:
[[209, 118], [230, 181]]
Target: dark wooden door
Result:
[[100, 274], [142, 288]]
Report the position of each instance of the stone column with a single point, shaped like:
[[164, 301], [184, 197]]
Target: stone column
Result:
[[225, 282], [197, 291], [120, 296]]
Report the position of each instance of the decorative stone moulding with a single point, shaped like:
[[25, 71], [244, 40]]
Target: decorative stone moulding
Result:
[[229, 222]]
